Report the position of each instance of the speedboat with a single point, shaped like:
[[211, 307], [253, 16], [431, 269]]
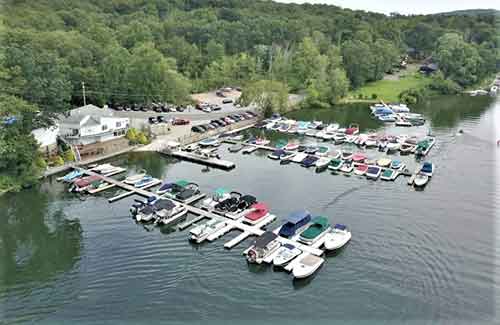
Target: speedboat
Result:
[[335, 164], [336, 154], [285, 254], [281, 143], [101, 168], [294, 222], [209, 142], [382, 144], [360, 140], [388, 118], [199, 233], [69, 177], [235, 148], [188, 192], [311, 149], [284, 127], [347, 153], [145, 181], [262, 247], [427, 169], [288, 155], [191, 147], [371, 142], [397, 164], [347, 167], [424, 146], [299, 157], [319, 226], [311, 133], [258, 212], [219, 195], [339, 138], [358, 157], [276, 154], [291, 146], [168, 212], [322, 151], [241, 207], [320, 134], [360, 169], [143, 211], [351, 138], [337, 237], [229, 204], [373, 172], [408, 146], [421, 180], [392, 146], [132, 179], [322, 164], [309, 161], [307, 266], [261, 142], [83, 184], [248, 150], [384, 162], [403, 122], [388, 174], [353, 129], [171, 189]]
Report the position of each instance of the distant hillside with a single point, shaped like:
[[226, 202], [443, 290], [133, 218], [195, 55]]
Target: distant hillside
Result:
[[471, 12]]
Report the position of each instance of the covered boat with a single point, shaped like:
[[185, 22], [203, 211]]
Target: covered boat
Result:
[[69, 177], [276, 154], [171, 189], [307, 266], [309, 161], [319, 226], [384, 162], [291, 146], [285, 254], [335, 164], [132, 179], [219, 195], [373, 172], [294, 222], [388, 174], [421, 180], [235, 148], [322, 164], [281, 144], [209, 142], [347, 167], [358, 157], [337, 237], [84, 183], [145, 181], [397, 164], [199, 233], [353, 129], [258, 212], [360, 169], [262, 247], [323, 151], [299, 157], [188, 192], [427, 169]]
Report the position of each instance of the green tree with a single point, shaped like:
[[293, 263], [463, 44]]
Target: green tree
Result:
[[269, 95], [358, 61]]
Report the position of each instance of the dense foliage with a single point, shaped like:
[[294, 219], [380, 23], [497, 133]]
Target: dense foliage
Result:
[[135, 51]]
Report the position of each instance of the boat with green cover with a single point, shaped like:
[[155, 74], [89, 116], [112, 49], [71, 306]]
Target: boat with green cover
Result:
[[335, 164], [319, 226], [388, 175]]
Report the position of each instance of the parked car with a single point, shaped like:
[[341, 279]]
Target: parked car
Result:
[[206, 109], [180, 108], [119, 108], [220, 93], [152, 120], [136, 108], [210, 126], [197, 129], [180, 121], [144, 108], [251, 113], [162, 119], [216, 108], [222, 121], [203, 127], [228, 120], [227, 101]]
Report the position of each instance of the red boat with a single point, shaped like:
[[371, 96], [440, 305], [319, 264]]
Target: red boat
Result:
[[259, 211], [361, 169], [353, 129], [83, 183], [358, 157]]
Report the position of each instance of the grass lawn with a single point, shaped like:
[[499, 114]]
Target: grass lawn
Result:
[[389, 90]]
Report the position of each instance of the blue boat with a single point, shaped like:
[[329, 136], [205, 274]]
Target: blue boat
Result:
[[72, 175], [309, 161], [146, 180], [294, 222], [427, 169]]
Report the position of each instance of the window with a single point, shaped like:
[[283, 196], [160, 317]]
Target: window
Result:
[[104, 127], [118, 124], [74, 132]]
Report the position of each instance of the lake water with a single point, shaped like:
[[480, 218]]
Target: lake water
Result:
[[422, 257]]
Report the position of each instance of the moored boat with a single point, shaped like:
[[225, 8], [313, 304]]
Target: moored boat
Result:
[[335, 164], [209, 142], [360, 169], [294, 222], [276, 154], [309, 161], [299, 157], [384, 162], [420, 180], [145, 181], [71, 176], [322, 151], [319, 226], [258, 212], [307, 266], [388, 174], [373, 172], [322, 164], [358, 157], [262, 247], [347, 167], [285, 254], [199, 233], [397, 164], [427, 169], [337, 237], [236, 147], [132, 179], [171, 189], [219, 195]]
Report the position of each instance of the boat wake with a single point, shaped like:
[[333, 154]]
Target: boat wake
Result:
[[340, 196]]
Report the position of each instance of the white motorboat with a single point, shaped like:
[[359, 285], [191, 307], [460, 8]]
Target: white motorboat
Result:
[[320, 134], [167, 217], [347, 167], [248, 150], [311, 133], [337, 237], [402, 122], [307, 266], [199, 233], [392, 147], [322, 164], [371, 142], [191, 147], [421, 180], [336, 154], [285, 254], [100, 168], [339, 138], [299, 157], [132, 179]]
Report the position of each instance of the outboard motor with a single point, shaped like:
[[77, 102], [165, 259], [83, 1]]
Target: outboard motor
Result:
[[134, 209]]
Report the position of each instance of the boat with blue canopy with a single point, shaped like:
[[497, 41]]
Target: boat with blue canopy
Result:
[[294, 222]]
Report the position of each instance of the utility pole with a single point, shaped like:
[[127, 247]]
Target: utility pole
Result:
[[83, 90]]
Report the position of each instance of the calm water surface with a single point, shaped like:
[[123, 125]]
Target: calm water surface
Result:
[[423, 257]]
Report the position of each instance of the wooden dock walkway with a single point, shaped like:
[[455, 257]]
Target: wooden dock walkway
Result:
[[211, 162]]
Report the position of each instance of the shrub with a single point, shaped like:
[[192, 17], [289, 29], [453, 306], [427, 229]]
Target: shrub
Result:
[[131, 135], [141, 138], [41, 163], [374, 96], [360, 96], [69, 155], [58, 161]]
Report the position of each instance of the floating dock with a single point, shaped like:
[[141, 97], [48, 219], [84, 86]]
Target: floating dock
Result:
[[211, 162]]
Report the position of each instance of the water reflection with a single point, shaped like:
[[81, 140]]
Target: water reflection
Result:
[[35, 244]]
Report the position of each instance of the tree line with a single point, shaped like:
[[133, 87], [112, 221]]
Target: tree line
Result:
[[139, 51]]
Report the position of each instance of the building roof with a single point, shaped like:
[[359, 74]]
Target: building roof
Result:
[[46, 137], [86, 115]]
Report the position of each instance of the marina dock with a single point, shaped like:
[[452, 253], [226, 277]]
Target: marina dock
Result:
[[207, 161]]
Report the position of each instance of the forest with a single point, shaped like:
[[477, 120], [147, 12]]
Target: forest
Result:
[[140, 51]]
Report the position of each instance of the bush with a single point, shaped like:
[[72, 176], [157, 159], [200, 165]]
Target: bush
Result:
[[131, 135], [41, 163], [69, 156], [374, 96], [360, 96], [444, 86], [412, 96], [141, 138], [58, 161]]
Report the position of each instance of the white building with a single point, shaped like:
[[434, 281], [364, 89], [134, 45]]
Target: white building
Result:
[[47, 138], [90, 124]]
